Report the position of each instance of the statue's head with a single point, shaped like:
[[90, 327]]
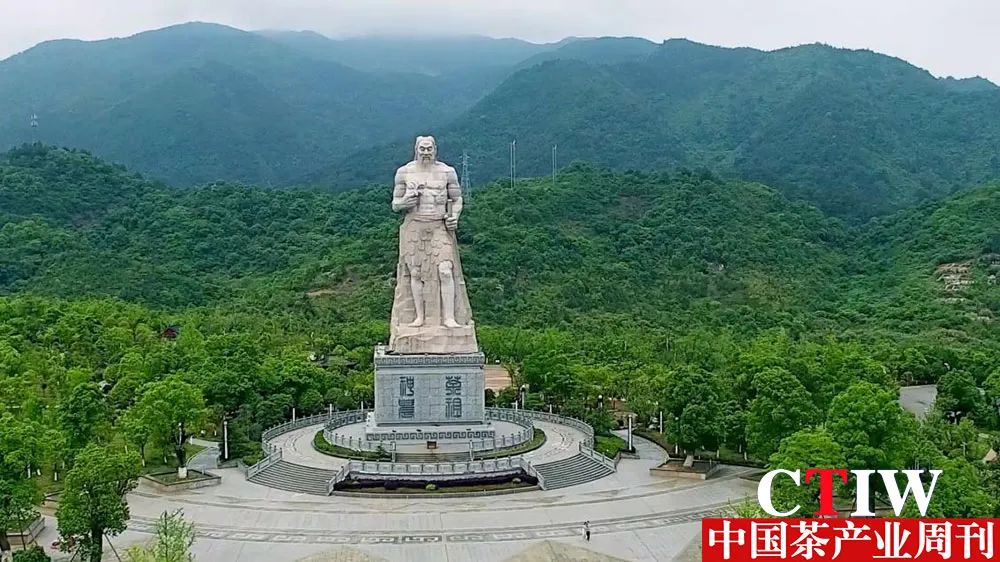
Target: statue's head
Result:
[[425, 150]]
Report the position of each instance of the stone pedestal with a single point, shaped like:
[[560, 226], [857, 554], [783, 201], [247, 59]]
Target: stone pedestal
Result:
[[443, 391]]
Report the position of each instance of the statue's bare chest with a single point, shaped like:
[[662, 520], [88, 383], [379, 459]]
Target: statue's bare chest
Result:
[[433, 187]]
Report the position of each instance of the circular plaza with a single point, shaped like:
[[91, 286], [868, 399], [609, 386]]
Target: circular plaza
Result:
[[633, 514]]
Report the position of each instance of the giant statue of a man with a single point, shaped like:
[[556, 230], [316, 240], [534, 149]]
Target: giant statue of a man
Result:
[[430, 311]]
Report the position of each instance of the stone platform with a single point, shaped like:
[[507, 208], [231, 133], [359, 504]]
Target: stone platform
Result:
[[426, 389]]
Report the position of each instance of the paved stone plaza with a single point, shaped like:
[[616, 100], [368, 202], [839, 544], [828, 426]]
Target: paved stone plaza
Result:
[[634, 516]]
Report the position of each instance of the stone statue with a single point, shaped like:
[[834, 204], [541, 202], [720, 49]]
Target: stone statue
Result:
[[430, 310]]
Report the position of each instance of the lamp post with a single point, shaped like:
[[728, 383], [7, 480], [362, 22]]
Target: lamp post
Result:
[[600, 401], [630, 432], [225, 440], [676, 448]]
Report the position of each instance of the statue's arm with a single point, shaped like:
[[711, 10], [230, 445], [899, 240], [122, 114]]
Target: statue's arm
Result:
[[454, 193], [399, 202]]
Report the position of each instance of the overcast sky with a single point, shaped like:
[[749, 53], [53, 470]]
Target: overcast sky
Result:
[[948, 37]]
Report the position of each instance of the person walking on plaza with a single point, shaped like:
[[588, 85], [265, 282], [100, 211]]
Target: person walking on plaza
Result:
[[586, 530]]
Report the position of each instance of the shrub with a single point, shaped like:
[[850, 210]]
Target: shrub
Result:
[[431, 487], [33, 554], [516, 480]]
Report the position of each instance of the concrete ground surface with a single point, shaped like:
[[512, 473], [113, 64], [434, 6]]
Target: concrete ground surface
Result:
[[633, 516]]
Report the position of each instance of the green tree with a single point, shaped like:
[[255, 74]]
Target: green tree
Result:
[[174, 537], [84, 416], [694, 410], [173, 410], [806, 448], [992, 388], [866, 419], [135, 422], [782, 406], [92, 504], [18, 500], [960, 492], [311, 402], [21, 447], [957, 392]]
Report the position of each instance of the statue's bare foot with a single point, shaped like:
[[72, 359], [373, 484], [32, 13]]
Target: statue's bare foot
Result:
[[450, 323], [418, 322]]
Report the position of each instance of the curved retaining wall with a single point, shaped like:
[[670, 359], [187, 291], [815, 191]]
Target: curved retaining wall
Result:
[[505, 464], [341, 419]]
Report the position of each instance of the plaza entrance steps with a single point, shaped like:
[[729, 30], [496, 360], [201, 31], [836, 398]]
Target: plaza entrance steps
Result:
[[571, 471], [294, 478]]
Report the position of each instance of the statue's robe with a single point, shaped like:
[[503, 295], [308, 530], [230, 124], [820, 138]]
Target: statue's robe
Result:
[[424, 244]]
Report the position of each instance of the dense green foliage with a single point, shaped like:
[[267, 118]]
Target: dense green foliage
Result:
[[201, 102], [745, 317], [856, 133]]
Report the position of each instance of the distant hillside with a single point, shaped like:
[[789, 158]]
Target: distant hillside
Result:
[[596, 251], [856, 133], [431, 56], [657, 247], [201, 102], [935, 268]]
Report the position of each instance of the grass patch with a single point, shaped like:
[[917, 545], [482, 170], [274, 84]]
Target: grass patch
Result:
[[322, 445], [537, 440], [609, 445]]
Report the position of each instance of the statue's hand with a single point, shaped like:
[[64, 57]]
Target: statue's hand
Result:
[[410, 200], [451, 222]]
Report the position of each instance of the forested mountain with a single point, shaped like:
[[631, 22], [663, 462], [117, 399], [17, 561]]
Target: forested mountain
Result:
[[201, 102], [663, 249], [755, 320], [433, 56], [656, 247], [856, 133]]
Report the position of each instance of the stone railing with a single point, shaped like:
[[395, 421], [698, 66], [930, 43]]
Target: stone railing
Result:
[[358, 443], [273, 455], [580, 425], [424, 470], [589, 452], [531, 471], [340, 419], [273, 452]]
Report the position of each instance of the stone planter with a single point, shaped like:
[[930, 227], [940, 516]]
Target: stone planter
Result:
[[168, 482], [26, 536], [702, 469]]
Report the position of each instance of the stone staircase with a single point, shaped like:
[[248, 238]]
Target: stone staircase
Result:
[[432, 457], [578, 469], [295, 478]]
